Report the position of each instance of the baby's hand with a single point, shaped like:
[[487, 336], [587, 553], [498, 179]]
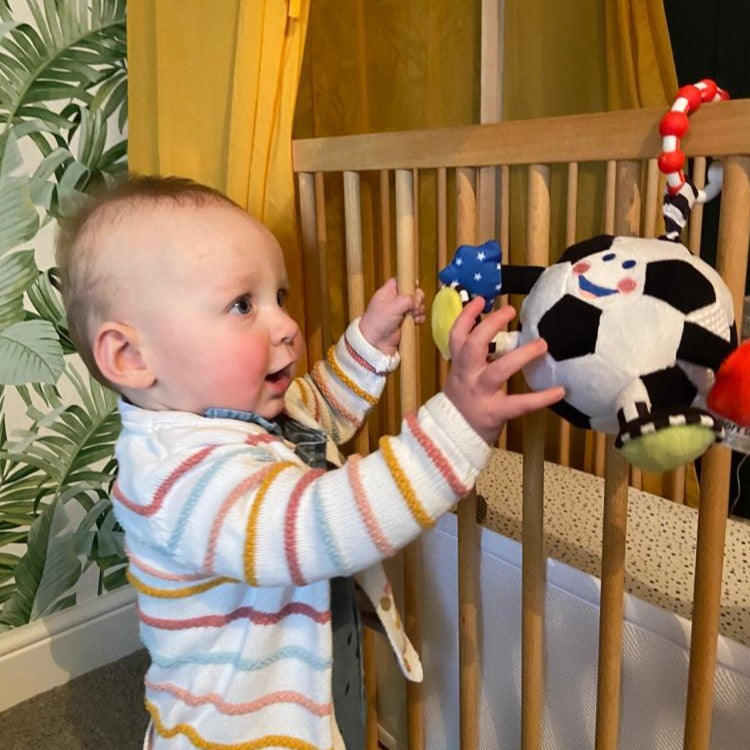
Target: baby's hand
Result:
[[381, 321], [474, 384]]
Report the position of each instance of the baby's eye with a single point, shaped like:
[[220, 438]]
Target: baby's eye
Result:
[[281, 297], [242, 306]]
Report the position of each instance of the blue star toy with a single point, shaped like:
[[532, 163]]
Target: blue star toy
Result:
[[476, 268]]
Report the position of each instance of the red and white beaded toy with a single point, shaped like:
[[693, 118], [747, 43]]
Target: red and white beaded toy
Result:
[[675, 124]]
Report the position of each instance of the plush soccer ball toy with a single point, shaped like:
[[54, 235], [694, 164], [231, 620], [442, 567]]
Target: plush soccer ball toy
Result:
[[640, 332]]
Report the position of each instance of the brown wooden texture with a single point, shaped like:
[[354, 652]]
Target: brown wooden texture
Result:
[[534, 559], [468, 554], [717, 129], [405, 264], [731, 262]]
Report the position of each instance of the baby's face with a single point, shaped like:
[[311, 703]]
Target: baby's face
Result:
[[209, 307]]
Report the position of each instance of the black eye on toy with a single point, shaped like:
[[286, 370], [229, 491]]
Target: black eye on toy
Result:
[[608, 257], [628, 263]]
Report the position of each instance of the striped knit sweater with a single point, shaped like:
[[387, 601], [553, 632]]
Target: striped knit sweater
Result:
[[232, 542]]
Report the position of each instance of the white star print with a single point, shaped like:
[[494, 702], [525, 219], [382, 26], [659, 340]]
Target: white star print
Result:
[[477, 276], [480, 255]]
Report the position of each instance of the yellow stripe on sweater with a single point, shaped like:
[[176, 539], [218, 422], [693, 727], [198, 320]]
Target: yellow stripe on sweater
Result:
[[269, 740], [176, 593], [252, 521], [346, 380], [421, 516]]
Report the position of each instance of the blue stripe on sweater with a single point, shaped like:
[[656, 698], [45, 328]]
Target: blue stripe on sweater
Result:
[[325, 530], [196, 494], [246, 665]]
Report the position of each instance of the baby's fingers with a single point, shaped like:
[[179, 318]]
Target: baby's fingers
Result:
[[418, 312], [462, 326], [500, 370], [475, 342], [523, 403]]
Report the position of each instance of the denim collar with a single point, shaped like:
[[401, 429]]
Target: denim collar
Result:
[[218, 412], [309, 443]]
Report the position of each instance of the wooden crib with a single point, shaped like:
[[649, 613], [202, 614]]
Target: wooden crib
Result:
[[408, 199]]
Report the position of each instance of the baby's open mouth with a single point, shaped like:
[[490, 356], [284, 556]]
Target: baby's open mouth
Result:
[[274, 377]]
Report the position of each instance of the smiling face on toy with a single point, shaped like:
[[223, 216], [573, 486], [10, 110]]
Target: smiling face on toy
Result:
[[606, 278]]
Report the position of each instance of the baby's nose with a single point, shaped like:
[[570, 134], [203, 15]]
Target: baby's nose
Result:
[[286, 328]]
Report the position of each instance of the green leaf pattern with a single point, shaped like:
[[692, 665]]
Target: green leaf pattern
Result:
[[63, 96]]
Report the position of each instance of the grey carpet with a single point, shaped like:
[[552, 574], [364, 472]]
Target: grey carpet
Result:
[[101, 710]]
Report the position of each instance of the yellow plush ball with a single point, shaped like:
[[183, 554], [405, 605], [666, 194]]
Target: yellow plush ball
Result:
[[446, 307], [663, 450]]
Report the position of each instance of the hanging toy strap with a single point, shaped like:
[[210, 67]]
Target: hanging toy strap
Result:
[[681, 195]]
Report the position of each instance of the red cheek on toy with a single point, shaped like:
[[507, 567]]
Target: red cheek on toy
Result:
[[580, 268], [626, 285]]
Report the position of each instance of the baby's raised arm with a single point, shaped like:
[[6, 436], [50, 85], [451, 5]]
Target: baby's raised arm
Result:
[[474, 385]]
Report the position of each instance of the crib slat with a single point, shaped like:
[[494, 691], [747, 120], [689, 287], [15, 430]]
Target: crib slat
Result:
[[614, 527], [468, 555], [625, 219], [355, 275], [311, 263], [405, 247], [356, 296], [322, 245], [534, 562], [504, 230], [695, 225], [653, 200], [571, 206], [487, 200], [734, 235], [390, 398]]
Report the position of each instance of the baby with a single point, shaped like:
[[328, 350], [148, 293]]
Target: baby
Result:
[[243, 524]]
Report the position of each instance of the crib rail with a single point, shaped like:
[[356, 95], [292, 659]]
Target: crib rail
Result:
[[454, 186]]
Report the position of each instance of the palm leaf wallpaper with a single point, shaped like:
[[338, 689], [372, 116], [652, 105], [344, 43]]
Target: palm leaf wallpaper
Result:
[[63, 112]]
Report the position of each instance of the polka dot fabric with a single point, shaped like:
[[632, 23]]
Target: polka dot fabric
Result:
[[660, 541]]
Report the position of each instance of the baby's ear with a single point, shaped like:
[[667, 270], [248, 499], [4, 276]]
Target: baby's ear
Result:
[[117, 353]]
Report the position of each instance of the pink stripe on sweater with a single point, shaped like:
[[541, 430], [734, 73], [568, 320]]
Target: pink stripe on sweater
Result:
[[260, 438], [435, 455], [359, 359], [257, 617], [234, 709], [371, 522], [162, 574], [332, 400], [164, 487], [304, 387], [244, 486], [290, 524]]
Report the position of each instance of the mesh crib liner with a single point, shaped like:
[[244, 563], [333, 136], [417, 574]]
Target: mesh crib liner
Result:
[[661, 537]]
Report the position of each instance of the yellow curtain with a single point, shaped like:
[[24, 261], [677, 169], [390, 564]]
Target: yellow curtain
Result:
[[212, 90], [640, 65]]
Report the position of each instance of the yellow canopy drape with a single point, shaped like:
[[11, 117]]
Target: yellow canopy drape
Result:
[[212, 90], [640, 64]]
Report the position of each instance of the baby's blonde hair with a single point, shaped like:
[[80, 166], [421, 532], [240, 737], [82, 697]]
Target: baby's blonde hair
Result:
[[86, 288]]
